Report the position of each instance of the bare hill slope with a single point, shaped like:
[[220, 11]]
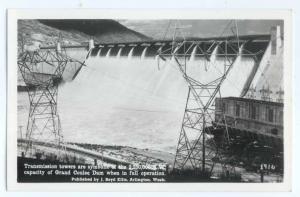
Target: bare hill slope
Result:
[[46, 32]]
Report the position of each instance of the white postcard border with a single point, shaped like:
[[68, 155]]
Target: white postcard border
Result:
[[14, 15]]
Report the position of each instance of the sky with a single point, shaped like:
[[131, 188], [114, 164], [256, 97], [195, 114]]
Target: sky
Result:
[[159, 29]]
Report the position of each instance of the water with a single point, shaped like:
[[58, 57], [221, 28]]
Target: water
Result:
[[129, 101]]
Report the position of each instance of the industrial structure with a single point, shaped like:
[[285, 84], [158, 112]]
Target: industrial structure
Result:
[[42, 71], [256, 116], [200, 151]]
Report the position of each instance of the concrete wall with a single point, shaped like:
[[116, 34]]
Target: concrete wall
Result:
[[269, 75], [77, 53]]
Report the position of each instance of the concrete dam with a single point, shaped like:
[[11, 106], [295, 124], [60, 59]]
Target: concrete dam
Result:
[[126, 95]]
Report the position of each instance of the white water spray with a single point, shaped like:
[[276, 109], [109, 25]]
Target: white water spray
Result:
[[130, 53], [108, 53], [144, 53], [98, 54], [119, 52], [193, 54]]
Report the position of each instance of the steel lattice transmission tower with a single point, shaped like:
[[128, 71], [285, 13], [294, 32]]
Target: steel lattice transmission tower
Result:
[[196, 147], [42, 70]]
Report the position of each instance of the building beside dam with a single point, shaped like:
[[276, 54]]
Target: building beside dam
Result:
[[250, 115]]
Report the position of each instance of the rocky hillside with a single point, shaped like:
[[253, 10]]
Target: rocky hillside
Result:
[[104, 30], [47, 32]]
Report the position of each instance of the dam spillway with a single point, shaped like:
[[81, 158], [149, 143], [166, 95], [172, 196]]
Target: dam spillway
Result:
[[126, 96]]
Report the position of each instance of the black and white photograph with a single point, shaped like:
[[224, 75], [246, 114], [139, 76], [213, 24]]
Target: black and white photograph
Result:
[[162, 100]]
